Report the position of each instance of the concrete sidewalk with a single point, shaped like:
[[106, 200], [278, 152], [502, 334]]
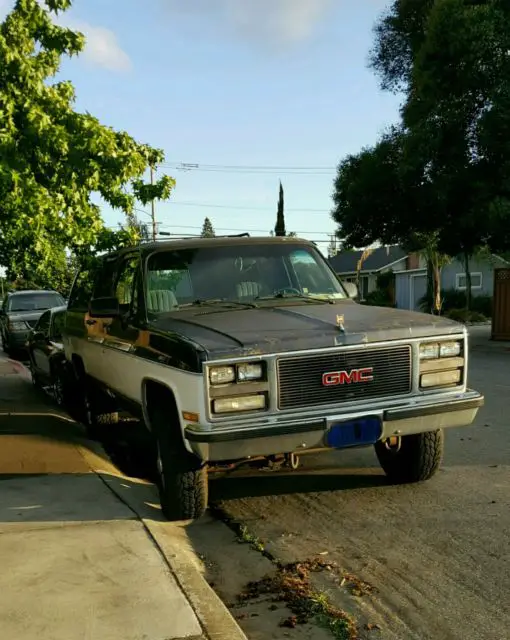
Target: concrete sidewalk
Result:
[[77, 561]]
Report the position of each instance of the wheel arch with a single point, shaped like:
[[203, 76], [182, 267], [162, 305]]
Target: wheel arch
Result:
[[154, 391]]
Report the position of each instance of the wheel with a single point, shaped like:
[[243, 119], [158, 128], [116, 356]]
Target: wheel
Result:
[[97, 408], [182, 478], [35, 379], [413, 458], [5, 348], [58, 389]]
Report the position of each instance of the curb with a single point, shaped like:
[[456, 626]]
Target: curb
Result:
[[213, 616]]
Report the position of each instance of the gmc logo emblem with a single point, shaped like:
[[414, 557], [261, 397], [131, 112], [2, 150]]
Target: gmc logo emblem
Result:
[[334, 378]]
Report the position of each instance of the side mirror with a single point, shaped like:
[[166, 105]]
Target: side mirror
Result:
[[104, 308], [350, 289]]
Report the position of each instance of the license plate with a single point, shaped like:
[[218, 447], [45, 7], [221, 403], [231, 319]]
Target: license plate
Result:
[[353, 433]]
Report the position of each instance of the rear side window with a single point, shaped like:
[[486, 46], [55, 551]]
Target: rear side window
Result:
[[93, 280]]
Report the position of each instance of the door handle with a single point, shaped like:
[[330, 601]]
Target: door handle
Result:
[[90, 322]]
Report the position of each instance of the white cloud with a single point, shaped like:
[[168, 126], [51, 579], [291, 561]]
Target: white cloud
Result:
[[102, 47], [271, 21]]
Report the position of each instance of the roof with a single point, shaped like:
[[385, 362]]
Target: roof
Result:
[[347, 261], [31, 292], [218, 241]]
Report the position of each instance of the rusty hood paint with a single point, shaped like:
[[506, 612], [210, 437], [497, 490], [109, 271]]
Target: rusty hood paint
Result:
[[285, 327]]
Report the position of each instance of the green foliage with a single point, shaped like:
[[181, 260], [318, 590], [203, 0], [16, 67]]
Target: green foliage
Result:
[[53, 158], [453, 299], [379, 298], [465, 315], [207, 229], [443, 174], [279, 229]]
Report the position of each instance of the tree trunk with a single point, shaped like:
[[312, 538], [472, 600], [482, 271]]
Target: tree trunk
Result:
[[468, 281], [437, 287], [430, 286]]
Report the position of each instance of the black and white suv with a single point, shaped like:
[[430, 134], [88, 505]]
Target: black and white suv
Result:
[[235, 348]]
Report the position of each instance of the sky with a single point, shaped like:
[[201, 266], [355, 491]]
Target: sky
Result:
[[239, 94]]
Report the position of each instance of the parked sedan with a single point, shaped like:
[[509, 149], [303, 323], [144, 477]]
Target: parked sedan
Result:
[[20, 312], [46, 354]]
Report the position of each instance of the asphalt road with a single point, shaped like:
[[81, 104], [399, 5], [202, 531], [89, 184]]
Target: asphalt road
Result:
[[438, 554]]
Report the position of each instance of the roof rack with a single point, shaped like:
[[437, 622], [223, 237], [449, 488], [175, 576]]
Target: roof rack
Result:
[[235, 235], [175, 237]]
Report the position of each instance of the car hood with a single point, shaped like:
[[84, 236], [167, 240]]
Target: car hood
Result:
[[25, 316], [239, 331]]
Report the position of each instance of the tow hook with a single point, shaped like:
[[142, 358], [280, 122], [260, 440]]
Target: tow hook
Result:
[[292, 460]]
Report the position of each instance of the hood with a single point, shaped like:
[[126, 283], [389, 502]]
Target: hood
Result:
[[239, 331], [26, 316]]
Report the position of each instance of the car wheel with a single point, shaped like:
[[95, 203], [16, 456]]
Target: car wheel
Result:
[[58, 389], [96, 410], [35, 379], [413, 458], [182, 477], [5, 348]]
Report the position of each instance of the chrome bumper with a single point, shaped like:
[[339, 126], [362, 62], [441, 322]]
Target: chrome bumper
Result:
[[288, 435]]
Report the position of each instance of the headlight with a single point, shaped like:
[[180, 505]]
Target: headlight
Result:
[[18, 326], [222, 375], [248, 371], [429, 350], [241, 403], [449, 349]]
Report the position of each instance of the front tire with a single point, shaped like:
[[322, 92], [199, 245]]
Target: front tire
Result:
[[413, 458], [182, 477]]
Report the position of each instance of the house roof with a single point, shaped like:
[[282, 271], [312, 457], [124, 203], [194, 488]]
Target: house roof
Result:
[[347, 261]]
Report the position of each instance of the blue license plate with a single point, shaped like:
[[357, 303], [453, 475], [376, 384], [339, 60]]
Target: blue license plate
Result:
[[353, 433]]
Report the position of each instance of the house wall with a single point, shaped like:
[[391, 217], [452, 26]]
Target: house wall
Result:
[[452, 276], [410, 287]]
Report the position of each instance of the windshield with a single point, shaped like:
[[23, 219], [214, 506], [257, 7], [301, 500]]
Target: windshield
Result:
[[238, 273], [35, 302]]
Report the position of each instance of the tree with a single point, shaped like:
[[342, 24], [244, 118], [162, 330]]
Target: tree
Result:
[[451, 59], [207, 229], [52, 158], [279, 229]]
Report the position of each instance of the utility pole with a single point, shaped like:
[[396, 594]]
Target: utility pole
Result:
[[153, 212]]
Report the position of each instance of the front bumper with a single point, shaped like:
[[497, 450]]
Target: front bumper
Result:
[[16, 339], [289, 435]]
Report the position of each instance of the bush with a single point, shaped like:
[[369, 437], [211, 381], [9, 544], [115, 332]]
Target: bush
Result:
[[378, 298], [463, 315], [454, 300]]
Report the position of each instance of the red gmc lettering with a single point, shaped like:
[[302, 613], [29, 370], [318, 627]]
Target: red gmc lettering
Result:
[[334, 378]]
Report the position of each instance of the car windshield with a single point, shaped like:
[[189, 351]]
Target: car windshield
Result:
[[251, 273], [34, 302]]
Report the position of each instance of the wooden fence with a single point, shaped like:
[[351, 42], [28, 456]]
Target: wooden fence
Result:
[[501, 305]]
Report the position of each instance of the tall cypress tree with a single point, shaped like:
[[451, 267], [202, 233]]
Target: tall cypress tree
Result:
[[279, 229]]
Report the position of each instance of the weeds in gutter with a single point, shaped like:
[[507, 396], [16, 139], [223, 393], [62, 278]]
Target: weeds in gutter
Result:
[[291, 585]]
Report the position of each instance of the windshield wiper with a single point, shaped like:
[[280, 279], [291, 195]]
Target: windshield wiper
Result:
[[223, 301], [300, 296]]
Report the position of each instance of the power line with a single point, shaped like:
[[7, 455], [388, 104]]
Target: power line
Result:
[[246, 169], [211, 205]]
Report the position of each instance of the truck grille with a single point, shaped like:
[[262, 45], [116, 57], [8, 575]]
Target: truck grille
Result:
[[300, 377]]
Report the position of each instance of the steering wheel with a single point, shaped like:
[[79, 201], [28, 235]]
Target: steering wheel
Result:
[[291, 290]]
